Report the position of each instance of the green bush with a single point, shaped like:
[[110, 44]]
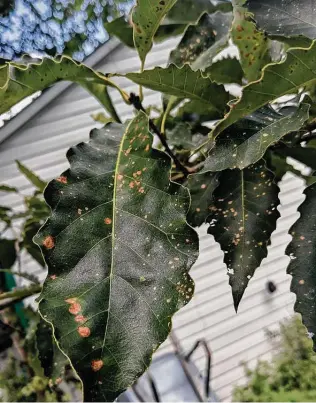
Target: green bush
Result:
[[290, 376]]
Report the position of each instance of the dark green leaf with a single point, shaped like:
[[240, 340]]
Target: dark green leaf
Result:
[[201, 110], [29, 231], [21, 80], [238, 148], [183, 83], [118, 250], [306, 155], [225, 71], [5, 215], [197, 39], [122, 30], [278, 79], [188, 11], [278, 165], [201, 188], [6, 188], [302, 252], [53, 361], [181, 136], [31, 176], [147, 16], [7, 253], [286, 17], [243, 218]]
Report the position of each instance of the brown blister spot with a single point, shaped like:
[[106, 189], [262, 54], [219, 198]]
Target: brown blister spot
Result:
[[96, 365], [49, 242], [107, 221], [62, 179], [75, 308], [239, 28], [80, 319], [84, 331]]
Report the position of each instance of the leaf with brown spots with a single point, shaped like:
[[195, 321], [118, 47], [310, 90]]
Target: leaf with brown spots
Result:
[[221, 23], [242, 219], [197, 39], [246, 142], [146, 17], [302, 252], [122, 265], [253, 44]]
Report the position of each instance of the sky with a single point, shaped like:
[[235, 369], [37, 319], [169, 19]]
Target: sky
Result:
[[74, 27]]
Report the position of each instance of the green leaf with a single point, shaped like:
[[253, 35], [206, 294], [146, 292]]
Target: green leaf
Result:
[[183, 83], [278, 165], [4, 214], [221, 23], [252, 44], [147, 16], [242, 220], [301, 251], [182, 137], [124, 31], [305, 155], [197, 39], [30, 229], [294, 17], [165, 31], [202, 110], [102, 118], [21, 80], [118, 251], [201, 188], [53, 361], [7, 253], [278, 79], [6, 188], [188, 11], [225, 71], [31, 176], [238, 148]]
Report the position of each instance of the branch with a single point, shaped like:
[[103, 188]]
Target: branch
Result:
[[135, 101], [22, 292]]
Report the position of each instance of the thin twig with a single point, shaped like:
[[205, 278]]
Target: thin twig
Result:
[[135, 101]]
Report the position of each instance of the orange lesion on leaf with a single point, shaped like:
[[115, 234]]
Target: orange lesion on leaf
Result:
[[49, 242], [96, 365], [53, 277], [75, 307], [62, 179], [80, 319], [107, 221], [84, 331]]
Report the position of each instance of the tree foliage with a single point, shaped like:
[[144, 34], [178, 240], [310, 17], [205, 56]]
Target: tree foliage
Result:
[[117, 242]]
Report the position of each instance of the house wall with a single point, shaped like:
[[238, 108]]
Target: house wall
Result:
[[41, 145]]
